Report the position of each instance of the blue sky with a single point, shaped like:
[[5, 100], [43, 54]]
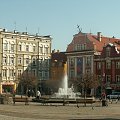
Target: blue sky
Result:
[[59, 18]]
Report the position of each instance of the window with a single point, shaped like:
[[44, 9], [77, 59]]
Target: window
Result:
[[118, 65], [12, 47], [46, 50], [19, 60], [118, 78], [40, 63], [88, 60], [45, 74], [40, 74], [108, 78], [27, 60], [27, 48], [99, 65], [108, 65], [108, 52], [12, 60], [34, 62], [19, 47], [4, 60], [33, 48], [19, 73], [41, 49], [84, 46], [72, 62], [46, 63], [5, 46], [4, 73], [78, 47], [12, 73]]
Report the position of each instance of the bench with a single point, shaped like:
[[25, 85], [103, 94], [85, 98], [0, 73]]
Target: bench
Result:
[[65, 101], [21, 99], [85, 101]]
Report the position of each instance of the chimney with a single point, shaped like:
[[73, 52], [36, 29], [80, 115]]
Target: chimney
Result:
[[58, 51], [53, 51], [99, 36]]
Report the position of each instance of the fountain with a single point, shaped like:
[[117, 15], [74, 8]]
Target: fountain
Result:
[[65, 91], [66, 95]]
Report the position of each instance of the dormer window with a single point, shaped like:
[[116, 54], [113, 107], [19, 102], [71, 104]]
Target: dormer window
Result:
[[80, 47], [108, 51]]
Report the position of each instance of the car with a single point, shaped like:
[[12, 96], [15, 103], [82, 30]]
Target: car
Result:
[[114, 95]]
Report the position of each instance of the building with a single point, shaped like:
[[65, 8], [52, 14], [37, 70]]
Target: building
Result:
[[107, 67], [58, 68], [20, 52], [87, 52]]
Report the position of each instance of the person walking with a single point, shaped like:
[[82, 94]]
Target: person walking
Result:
[[28, 93], [38, 94]]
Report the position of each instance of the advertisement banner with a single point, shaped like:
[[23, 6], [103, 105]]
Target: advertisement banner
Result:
[[79, 66]]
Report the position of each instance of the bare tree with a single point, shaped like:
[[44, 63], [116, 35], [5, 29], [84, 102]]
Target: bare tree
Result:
[[87, 81], [27, 79]]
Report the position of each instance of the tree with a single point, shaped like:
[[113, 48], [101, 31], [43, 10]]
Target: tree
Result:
[[28, 80], [87, 81]]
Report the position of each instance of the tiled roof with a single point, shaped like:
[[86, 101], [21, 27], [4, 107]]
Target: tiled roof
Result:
[[93, 42]]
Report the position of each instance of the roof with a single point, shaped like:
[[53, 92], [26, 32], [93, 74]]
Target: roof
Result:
[[92, 41]]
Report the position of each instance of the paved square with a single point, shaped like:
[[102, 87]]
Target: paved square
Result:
[[69, 112]]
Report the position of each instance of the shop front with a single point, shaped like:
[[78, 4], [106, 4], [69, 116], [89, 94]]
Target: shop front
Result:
[[7, 87]]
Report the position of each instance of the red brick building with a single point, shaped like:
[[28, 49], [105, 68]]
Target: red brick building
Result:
[[107, 65], [96, 54]]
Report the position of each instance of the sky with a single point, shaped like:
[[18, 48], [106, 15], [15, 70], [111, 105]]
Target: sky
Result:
[[59, 18]]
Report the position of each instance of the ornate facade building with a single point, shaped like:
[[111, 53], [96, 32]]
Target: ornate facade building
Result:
[[21, 51], [95, 54]]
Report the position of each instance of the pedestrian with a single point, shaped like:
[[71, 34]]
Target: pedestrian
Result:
[[28, 93], [104, 95], [38, 94]]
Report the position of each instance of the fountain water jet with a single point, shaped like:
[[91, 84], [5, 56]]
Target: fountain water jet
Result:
[[65, 91]]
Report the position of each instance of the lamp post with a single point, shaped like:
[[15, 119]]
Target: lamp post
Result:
[[56, 66]]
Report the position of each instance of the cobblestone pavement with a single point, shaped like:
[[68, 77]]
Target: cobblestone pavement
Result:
[[35, 111]]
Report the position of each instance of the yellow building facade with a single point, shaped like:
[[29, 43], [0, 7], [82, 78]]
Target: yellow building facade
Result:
[[21, 51]]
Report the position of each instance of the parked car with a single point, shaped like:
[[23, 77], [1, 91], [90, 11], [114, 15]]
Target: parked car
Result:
[[114, 95]]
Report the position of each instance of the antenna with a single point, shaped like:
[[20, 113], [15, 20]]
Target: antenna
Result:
[[38, 30], [90, 31], [15, 25], [26, 29]]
